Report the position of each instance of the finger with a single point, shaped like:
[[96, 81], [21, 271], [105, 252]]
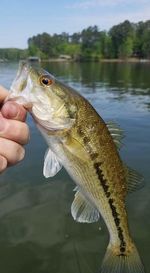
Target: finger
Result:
[[3, 163], [3, 93], [12, 151], [12, 110], [14, 130]]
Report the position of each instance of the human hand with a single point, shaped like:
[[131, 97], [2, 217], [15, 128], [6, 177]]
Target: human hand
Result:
[[14, 132]]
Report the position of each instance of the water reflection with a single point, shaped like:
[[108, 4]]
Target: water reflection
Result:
[[122, 80], [36, 222], [124, 74]]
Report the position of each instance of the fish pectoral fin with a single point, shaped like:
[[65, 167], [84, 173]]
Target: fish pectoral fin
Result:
[[82, 211], [77, 149], [51, 164], [135, 181], [116, 133]]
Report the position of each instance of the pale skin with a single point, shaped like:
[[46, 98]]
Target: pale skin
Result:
[[14, 132]]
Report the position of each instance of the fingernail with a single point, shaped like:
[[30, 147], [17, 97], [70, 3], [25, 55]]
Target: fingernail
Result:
[[3, 164], [2, 124], [13, 111], [21, 154]]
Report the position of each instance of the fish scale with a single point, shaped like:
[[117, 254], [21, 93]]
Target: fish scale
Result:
[[91, 183], [87, 147]]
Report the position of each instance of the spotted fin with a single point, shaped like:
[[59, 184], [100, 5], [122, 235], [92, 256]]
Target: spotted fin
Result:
[[82, 211], [135, 181], [116, 133], [122, 263], [51, 164]]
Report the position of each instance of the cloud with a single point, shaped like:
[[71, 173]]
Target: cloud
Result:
[[87, 4], [142, 14], [106, 13], [105, 20]]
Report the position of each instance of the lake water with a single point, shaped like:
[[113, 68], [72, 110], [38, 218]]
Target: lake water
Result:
[[37, 232]]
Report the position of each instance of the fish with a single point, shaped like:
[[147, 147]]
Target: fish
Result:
[[88, 148]]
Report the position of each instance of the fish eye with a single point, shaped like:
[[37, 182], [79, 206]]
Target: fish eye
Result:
[[44, 80]]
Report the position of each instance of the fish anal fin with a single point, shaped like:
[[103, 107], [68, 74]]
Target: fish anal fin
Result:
[[82, 211]]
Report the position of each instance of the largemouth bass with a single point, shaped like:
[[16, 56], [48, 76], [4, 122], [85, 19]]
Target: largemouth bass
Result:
[[87, 147]]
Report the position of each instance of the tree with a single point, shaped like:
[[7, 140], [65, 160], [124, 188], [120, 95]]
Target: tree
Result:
[[13, 54], [122, 41], [142, 40], [146, 44], [122, 36], [90, 43], [76, 38], [126, 48]]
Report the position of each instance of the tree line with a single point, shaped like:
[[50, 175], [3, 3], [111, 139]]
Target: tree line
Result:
[[13, 54], [123, 41]]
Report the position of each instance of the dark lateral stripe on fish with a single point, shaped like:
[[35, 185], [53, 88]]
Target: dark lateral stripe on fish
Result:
[[105, 186], [103, 181], [117, 222]]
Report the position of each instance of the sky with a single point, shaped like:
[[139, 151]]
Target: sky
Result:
[[20, 20]]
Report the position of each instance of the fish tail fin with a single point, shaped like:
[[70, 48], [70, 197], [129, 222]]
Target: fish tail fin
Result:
[[120, 263]]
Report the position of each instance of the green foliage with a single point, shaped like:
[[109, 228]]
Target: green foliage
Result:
[[13, 54], [93, 43], [123, 41], [122, 36], [142, 40], [126, 48], [71, 49], [146, 44]]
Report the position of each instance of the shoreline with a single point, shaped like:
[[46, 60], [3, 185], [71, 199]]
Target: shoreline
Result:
[[128, 60], [60, 60]]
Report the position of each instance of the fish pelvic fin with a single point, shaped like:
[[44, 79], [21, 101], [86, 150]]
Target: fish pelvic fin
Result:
[[51, 164], [120, 263]]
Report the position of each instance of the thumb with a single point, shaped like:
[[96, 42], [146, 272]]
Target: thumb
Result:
[[13, 110], [3, 93]]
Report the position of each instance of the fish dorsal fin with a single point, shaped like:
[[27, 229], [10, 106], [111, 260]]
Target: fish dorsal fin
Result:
[[135, 181], [51, 164], [82, 211], [116, 133]]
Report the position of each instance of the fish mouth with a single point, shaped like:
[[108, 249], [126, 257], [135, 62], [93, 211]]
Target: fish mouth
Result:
[[20, 100], [19, 90], [28, 106]]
